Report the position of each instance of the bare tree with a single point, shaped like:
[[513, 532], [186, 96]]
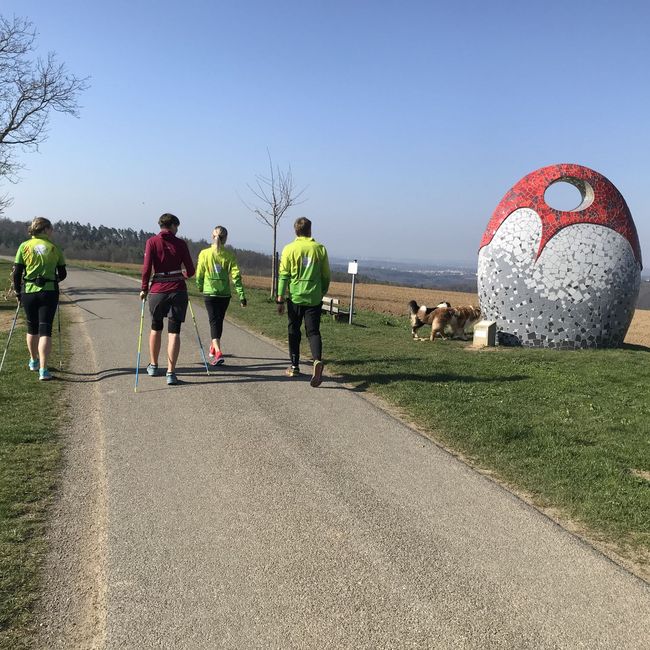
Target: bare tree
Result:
[[274, 195], [29, 89]]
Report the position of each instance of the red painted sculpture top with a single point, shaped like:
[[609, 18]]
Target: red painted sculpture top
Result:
[[602, 204]]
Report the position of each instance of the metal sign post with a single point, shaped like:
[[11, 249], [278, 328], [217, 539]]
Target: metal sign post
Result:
[[353, 269]]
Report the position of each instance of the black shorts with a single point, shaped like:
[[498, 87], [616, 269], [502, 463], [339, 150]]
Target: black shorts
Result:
[[168, 305], [40, 308]]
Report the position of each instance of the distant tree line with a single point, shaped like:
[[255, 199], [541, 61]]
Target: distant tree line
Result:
[[102, 244], [126, 245]]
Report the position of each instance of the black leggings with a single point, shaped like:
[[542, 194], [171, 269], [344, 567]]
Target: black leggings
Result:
[[217, 307], [311, 315], [40, 308]]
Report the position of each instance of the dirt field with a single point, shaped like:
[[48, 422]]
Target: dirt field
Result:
[[394, 300]]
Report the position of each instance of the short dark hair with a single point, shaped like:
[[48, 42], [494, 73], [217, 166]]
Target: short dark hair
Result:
[[302, 226], [167, 220]]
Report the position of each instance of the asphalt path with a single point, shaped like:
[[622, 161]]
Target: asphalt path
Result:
[[248, 510]]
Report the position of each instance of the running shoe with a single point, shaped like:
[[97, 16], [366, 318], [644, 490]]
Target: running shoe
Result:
[[172, 380], [33, 364], [316, 374], [217, 358], [212, 353], [292, 371], [44, 375], [152, 370]]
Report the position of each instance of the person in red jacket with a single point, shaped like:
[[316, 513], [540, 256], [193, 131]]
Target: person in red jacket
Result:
[[164, 254]]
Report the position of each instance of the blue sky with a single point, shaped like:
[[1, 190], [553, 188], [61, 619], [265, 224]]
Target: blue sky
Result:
[[406, 121]]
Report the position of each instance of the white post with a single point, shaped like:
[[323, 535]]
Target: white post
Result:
[[352, 269]]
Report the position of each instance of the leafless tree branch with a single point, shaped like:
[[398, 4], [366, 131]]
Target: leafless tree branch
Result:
[[273, 195], [29, 90]]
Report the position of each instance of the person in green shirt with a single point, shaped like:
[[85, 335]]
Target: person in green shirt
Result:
[[40, 265], [305, 277], [215, 268]]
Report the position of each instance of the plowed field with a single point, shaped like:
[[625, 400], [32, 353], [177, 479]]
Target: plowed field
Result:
[[394, 300]]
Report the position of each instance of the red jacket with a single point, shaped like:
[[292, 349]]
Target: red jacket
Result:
[[164, 254]]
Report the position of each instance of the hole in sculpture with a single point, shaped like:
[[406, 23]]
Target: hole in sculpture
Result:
[[563, 196]]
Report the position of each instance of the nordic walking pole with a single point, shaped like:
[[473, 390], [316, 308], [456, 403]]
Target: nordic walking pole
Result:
[[13, 326], [58, 316], [198, 338], [137, 363]]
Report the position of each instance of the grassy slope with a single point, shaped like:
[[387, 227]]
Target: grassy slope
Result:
[[29, 457]]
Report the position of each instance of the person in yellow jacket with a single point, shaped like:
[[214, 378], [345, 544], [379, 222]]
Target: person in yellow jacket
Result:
[[38, 268], [214, 270], [305, 277]]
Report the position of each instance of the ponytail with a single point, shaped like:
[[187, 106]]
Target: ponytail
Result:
[[219, 235]]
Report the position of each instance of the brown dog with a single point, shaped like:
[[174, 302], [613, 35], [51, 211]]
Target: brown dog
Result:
[[438, 317], [442, 316], [462, 319]]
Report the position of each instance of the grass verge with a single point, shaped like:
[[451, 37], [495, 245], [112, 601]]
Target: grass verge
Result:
[[114, 267], [29, 461]]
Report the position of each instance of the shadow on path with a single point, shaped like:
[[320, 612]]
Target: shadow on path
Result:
[[363, 381]]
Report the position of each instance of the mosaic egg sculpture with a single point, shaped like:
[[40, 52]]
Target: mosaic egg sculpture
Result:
[[560, 279]]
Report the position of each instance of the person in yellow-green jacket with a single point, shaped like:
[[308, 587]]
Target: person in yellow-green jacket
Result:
[[40, 265], [215, 268], [305, 277]]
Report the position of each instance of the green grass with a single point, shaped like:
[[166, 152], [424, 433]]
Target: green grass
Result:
[[29, 461], [568, 428], [114, 267]]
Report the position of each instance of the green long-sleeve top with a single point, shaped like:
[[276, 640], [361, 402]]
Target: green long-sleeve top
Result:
[[305, 268], [215, 269], [41, 259]]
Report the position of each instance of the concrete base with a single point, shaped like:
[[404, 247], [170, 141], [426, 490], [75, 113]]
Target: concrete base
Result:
[[485, 334]]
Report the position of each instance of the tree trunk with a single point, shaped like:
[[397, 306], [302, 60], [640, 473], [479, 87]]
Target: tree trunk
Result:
[[274, 265]]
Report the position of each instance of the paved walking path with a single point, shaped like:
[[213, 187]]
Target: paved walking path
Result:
[[247, 510]]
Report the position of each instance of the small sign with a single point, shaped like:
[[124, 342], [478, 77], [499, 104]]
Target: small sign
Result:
[[353, 268]]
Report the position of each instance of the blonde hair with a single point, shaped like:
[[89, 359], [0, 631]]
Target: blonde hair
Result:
[[38, 226], [219, 235]]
